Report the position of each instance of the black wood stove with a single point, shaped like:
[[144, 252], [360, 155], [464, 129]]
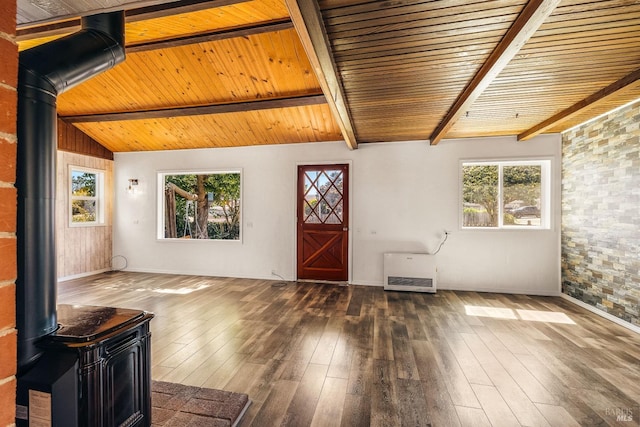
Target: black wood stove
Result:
[[77, 365], [94, 371]]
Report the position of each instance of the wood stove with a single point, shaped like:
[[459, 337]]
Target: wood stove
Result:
[[94, 371], [77, 365]]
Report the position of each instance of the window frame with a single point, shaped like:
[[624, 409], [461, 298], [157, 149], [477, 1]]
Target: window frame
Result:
[[545, 164], [161, 207], [98, 198]]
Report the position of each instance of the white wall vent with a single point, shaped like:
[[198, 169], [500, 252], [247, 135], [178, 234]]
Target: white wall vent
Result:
[[414, 272]]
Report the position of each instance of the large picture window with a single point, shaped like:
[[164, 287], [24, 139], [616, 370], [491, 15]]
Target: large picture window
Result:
[[86, 194], [202, 205], [506, 194]]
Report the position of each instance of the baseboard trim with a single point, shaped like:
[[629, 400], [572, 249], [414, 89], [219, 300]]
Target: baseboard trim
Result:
[[445, 287], [533, 292], [601, 313], [359, 283], [81, 275], [200, 273]]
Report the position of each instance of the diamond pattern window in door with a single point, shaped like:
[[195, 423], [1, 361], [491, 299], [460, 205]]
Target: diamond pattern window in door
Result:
[[336, 215], [323, 194]]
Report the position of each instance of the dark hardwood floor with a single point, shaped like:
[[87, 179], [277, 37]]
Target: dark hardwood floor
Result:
[[321, 355]]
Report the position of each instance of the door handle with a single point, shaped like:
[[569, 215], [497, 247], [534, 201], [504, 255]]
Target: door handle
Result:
[[345, 228]]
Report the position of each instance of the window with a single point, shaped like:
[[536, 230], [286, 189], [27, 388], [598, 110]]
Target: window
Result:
[[506, 194], [86, 196], [199, 205]]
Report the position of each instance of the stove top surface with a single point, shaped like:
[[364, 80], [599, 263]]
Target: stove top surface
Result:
[[83, 323]]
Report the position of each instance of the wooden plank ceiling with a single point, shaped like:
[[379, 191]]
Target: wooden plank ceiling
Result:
[[235, 73]]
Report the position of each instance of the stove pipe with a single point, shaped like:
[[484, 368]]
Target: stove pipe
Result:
[[45, 72]]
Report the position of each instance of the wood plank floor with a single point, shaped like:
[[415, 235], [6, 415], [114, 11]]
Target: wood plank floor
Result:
[[327, 355]]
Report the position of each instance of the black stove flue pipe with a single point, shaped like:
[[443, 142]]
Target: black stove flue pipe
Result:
[[45, 72]]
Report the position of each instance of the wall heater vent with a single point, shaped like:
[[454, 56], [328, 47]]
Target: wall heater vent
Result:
[[414, 272]]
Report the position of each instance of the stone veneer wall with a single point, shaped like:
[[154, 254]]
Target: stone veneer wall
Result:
[[8, 210], [601, 213]]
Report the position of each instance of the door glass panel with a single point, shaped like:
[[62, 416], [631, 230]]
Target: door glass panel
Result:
[[312, 219], [323, 210], [339, 210], [308, 208], [323, 194], [333, 219]]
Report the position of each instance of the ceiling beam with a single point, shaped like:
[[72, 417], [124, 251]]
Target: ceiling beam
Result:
[[174, 8], [30, 31], [307, 19], [249, 30], [526, 24], [627, 82], [200, 110]]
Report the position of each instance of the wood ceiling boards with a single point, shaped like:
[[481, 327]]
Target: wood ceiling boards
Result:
[[580, 49], [41, 11], [404, 65], [217, 72], [389, 71]]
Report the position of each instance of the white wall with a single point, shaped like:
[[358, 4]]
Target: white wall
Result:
[[403, 196]]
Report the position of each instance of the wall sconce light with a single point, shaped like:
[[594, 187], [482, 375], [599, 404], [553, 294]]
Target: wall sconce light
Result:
[[133, 185]]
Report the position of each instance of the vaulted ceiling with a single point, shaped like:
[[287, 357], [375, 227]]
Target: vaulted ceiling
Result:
[[223, 73]]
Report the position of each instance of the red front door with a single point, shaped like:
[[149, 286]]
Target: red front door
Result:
[[323, 220]]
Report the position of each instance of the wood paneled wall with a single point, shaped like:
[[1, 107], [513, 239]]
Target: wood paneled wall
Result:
[[82, 250], [75, 141], [8, 211]]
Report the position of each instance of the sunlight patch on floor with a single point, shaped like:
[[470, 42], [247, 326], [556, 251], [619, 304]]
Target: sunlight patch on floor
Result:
[[495, 312], [517, 314], [183, 290], [545, 316]]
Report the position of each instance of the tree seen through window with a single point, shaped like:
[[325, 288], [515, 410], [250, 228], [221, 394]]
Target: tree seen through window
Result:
[[84, 196], [202, 206], [502, 194]]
